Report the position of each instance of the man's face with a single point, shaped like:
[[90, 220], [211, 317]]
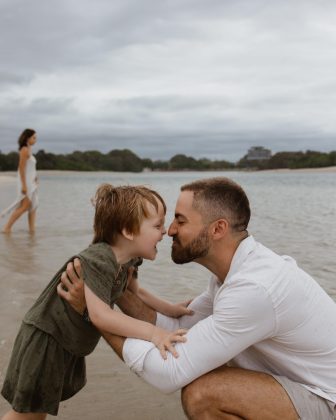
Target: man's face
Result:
[[189, 233]]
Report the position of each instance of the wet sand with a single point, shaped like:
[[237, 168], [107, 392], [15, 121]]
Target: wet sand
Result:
[[112, 391]]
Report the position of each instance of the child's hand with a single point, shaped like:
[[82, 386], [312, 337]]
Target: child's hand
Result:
[[165, 340], [179, 309]]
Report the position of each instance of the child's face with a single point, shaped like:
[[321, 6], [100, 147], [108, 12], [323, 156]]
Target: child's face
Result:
[[151, 232]]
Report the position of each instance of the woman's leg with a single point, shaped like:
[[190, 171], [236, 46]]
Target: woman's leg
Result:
[[24, 206], [14, 415], [31, 220]]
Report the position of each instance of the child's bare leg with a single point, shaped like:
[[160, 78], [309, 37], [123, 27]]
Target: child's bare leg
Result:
[[14, 415], [24, 206], [31, 220]]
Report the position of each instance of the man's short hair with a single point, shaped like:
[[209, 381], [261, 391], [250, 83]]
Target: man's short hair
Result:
[[123, 207], [220, 198]]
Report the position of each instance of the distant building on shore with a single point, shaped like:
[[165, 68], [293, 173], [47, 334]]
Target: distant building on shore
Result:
[[258, 153]]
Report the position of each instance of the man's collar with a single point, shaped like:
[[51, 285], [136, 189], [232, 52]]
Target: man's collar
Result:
[[244, 249]]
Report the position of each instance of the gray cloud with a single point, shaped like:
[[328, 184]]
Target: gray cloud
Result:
[[204, 79]]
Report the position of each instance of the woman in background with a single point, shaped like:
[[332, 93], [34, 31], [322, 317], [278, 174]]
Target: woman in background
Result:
[[27, 199]]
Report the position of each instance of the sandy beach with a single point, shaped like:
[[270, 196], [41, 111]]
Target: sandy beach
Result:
[[112, 391]]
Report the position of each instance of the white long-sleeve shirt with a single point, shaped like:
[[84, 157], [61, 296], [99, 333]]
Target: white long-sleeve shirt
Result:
[[268, 316]]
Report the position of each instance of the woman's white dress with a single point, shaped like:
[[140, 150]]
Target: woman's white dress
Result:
[[30, 173]]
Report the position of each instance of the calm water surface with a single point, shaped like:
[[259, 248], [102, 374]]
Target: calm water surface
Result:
[[292, 213]]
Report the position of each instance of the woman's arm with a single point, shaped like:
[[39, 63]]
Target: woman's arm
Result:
[[107, 319], [24, 155]]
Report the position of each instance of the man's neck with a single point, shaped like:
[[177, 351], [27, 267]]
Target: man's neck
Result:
[[219, 259]]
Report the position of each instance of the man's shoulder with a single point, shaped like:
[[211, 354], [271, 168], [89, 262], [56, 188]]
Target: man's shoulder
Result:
[[265, 270], [261, 263]]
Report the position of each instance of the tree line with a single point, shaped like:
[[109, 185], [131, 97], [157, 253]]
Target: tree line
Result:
[[291, 160], [115, 160], [127, 161]]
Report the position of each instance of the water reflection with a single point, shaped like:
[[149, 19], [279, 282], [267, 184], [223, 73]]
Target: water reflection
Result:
[[19, 253]]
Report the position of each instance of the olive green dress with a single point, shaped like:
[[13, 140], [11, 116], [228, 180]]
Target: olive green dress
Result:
[[47, 363]]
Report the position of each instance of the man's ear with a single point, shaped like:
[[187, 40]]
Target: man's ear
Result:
[[219, 228], [127, 235]]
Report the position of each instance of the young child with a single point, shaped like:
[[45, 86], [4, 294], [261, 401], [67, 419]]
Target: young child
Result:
[[48, 359]]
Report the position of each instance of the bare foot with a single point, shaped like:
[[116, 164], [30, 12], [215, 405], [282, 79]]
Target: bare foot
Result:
[[6, 231]]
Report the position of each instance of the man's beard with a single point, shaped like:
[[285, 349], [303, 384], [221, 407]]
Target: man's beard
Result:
[[197, 248]]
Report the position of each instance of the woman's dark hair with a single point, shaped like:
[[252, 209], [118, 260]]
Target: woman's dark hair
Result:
[[25, 136]]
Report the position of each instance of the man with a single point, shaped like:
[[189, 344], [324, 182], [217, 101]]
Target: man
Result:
[[261, 343]]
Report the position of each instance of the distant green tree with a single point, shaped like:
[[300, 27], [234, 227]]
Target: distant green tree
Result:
[[124, 160], [160, 165], [204, 164], [180, 162], [222, 164], [332, 159], [81, 161], [46, 160], [291, 160], [147, 163], [9, 162]]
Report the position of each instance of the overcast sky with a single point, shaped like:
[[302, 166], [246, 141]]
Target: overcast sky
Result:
[[206, 78]]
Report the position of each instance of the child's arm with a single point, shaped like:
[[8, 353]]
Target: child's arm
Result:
[[159, 305], [107, 319], [164, 307]]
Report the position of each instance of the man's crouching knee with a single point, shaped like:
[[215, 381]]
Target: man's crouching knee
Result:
[[195, 399]]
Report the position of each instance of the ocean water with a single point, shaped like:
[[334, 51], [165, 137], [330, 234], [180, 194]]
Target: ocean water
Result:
[[293, 213]]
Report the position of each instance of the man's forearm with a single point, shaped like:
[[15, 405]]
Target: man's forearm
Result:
[[116, 342], [133, 306]]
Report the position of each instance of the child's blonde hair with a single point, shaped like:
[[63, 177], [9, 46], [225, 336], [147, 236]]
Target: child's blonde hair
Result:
[[122, 207]]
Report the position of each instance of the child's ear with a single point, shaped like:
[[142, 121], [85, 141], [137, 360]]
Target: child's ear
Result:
[[127, 235]]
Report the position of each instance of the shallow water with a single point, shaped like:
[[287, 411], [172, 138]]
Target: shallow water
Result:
[[292, 213]]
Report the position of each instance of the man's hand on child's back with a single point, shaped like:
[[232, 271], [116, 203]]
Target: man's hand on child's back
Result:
[[71, 287]]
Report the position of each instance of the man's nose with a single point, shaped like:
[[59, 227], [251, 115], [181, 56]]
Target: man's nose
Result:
[[172, 229]]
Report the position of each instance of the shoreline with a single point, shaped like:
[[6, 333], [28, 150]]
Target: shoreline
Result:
[[9, 175], [306, 170]]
